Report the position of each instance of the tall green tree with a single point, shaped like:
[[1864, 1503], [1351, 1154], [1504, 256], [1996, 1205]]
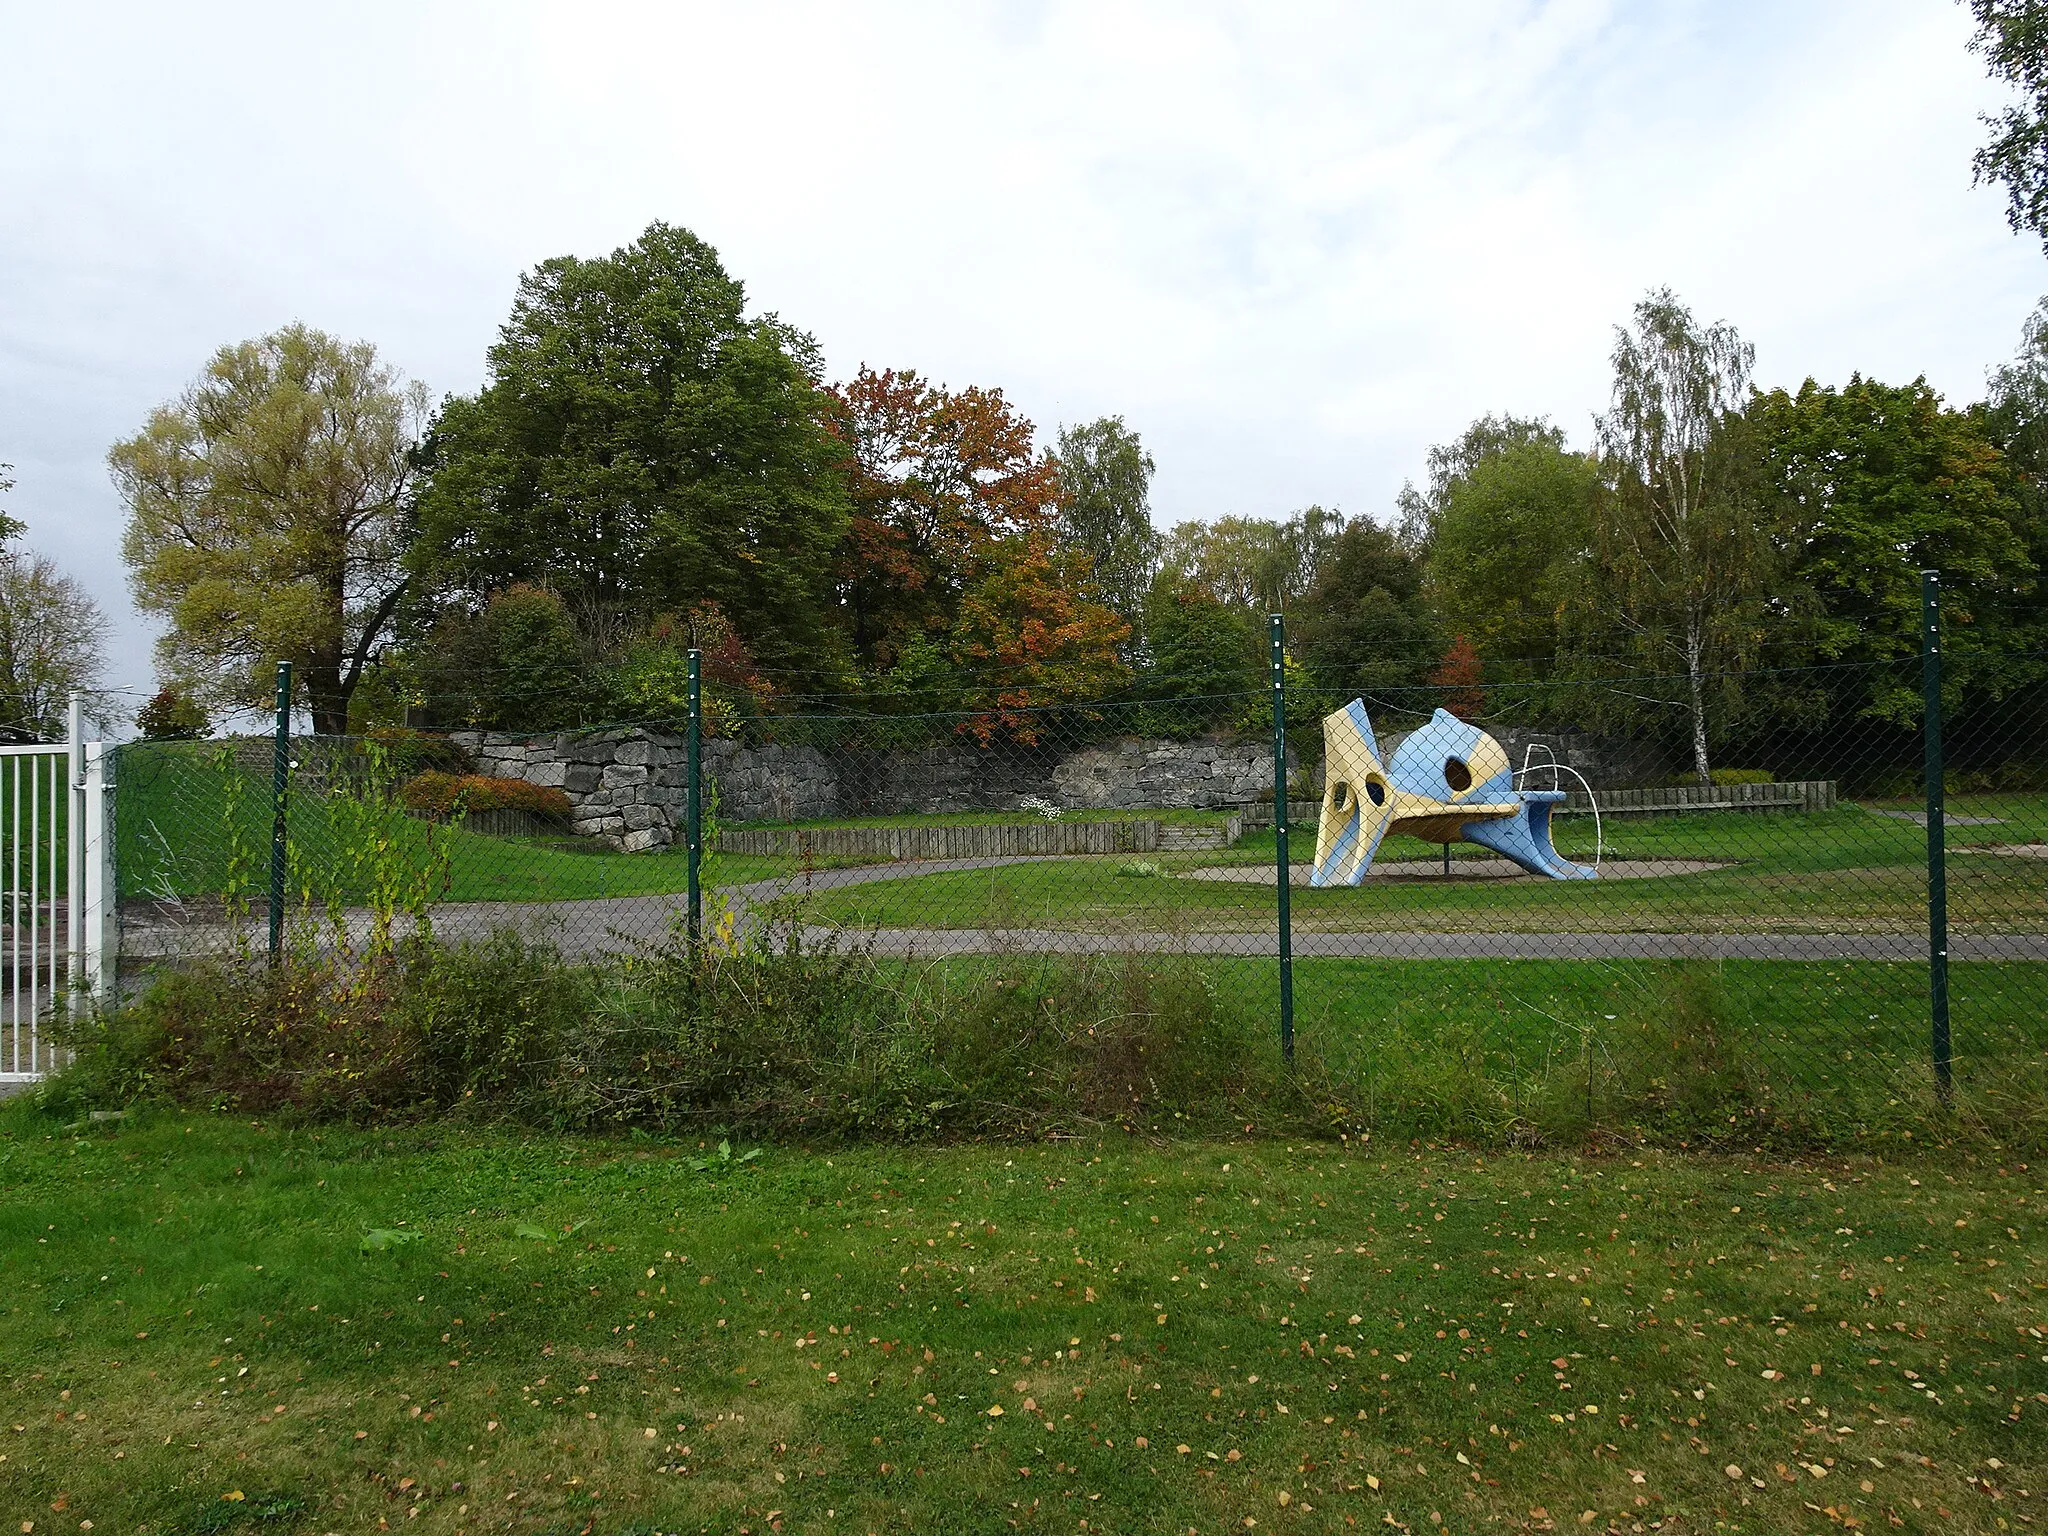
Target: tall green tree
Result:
[[2016, 417], [267, 510], [1203, 660], [1365, 623], [641, 446], [1262, 565], [2012, 39], [1105, 489], [1880, 482], [1682, 557], [1487, 439], [1511, 535]]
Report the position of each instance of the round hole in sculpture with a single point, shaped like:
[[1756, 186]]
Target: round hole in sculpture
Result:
[[1375, 791], [1343, 797], [1457, 775]]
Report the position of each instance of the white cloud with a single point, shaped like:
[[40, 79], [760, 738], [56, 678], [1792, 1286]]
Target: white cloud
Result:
[[1292, 245]]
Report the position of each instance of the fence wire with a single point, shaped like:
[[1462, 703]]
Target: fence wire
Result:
[[1753, 951]]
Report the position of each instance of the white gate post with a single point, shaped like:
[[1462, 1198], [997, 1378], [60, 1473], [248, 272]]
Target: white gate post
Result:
[[74, 857], [102, 949]]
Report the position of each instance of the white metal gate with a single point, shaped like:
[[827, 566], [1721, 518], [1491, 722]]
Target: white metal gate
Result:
[[36, 812], [56, 893]]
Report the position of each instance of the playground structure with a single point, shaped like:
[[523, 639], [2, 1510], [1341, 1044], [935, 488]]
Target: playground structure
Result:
[[1447, 782]]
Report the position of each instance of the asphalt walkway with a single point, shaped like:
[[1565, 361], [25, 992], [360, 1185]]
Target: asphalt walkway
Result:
[[608, 925]]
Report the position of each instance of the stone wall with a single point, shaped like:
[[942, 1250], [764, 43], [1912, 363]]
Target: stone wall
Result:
[[627, 788], [1134, 774]]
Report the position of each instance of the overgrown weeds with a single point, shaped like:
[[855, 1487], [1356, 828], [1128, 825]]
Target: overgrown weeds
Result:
[[770, 1035]]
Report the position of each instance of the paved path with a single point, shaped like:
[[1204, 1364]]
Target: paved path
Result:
[[611, 924]]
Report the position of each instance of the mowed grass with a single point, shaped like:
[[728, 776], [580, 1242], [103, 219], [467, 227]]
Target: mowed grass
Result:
[[1829, 1053], [1826, 1053], [1843, 870], [204, 1335], [182, 826]]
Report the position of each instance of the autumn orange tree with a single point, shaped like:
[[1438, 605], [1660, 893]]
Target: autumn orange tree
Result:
[[1460, 677], [1027, 639], [937, 478]]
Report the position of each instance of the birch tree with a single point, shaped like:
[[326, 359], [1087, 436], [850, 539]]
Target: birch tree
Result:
[[1680, 542], [1106, 510]]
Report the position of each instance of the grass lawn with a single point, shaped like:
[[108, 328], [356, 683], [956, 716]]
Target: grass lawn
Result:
[[206, 1332], [180, 826], [182, 823], [1844, 869], [1836, 1053], [1839, 1049]]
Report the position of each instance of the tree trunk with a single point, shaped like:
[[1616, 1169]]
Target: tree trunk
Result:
[[329, 708], [1697, 687], [327, 693]]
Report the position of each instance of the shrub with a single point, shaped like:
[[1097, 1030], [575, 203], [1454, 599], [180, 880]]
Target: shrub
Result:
[[441, 794], [1725, 777], [409, 752], [172, 716], [819, 1043]]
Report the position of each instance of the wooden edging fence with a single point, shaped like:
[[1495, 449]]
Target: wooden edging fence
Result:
[[982, 840], [1670, 800], [1800, 795]]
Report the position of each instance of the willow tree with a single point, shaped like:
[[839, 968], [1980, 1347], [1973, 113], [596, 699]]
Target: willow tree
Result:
[[266, 518], [1680, 548]]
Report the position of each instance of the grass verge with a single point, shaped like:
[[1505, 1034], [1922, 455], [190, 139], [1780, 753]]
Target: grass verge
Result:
[[218, 1325]]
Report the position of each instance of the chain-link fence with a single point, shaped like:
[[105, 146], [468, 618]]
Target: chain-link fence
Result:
[[1558, 917]]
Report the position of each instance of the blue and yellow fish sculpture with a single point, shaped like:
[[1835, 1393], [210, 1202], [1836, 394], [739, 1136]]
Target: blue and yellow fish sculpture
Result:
[[1448, 782]]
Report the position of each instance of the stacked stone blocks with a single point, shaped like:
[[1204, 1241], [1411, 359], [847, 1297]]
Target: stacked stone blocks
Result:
[[628, 787]]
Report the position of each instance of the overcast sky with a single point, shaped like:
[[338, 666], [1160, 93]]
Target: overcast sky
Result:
[[1292, 245]]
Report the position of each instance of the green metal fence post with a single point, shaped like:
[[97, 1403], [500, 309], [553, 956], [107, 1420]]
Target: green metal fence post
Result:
[[1937, 831], [693, 828], [280, 789], [1278, 628]]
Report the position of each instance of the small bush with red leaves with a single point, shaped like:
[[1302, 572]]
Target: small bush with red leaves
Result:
[[441, 794]]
